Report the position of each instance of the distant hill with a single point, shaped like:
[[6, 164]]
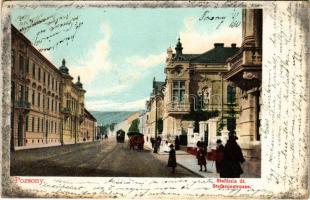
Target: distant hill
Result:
[[105, 118]]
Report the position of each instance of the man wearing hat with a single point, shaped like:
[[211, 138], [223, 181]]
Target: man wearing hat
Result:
[[233, 157], [219, 156], [172, 161]]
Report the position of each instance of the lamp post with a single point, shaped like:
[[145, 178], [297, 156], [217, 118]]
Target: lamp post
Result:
[[156, 117]]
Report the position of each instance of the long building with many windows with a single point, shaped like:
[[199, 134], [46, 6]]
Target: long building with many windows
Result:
[[47, 107]]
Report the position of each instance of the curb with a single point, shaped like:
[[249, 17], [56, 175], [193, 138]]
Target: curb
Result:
[[201, 176]]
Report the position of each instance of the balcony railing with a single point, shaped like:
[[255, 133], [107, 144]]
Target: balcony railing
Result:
[[22, 104], [176, 107], [247, 56]]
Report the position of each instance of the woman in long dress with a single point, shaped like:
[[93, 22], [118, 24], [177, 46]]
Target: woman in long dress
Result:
[[172, 161]]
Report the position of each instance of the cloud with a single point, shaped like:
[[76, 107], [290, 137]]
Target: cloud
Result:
[[96, 60], [122, 81], [195, 41], [109, 105], [148, 61]]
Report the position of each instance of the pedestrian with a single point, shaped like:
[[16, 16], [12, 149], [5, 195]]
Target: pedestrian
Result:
[[156, 145], [172, 161], [153, 142], [201, 157], [233, 157], [177, 143], [158, 142], [132, 143], [166, 147], [219, 156]]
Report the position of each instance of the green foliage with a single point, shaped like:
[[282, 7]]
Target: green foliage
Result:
[[160, 125], [111, 126], [134, 127], [201, 115]]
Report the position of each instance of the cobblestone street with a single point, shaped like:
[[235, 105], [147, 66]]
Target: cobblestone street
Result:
[[102, 158]]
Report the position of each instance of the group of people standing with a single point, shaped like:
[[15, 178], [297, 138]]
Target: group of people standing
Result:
[[156, 143], [228, 158]]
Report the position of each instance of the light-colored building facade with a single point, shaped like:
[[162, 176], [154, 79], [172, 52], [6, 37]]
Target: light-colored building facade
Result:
[[72, 106], [245, 72], [88, 128], [197, 101], [36, 96], [47, 107], [155, 108]]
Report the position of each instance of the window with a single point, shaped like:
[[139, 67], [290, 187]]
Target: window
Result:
[[39, 99], [21, 63], [20, 92], [32, 124], [39, 74], [38, 130], [34, 70], [27, 65], [27, 123], [42, 123], [44, 78], [26, 94], [33, 97], [178, 91], [52, 104], [13, 58], [48, 80], [48, 103], [231, 95]]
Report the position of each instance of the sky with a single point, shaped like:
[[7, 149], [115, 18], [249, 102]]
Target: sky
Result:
[[118, 51]]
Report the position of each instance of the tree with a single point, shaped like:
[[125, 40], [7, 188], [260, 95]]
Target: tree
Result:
[[111, 126], [134, 127]]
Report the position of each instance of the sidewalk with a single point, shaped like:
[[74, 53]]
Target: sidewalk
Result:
[[189, 162]]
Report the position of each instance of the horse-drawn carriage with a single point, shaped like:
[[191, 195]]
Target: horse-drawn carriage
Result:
[[136, 140], [120, 136]]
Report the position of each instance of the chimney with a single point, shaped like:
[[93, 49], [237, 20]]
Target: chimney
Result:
[[233, 45], [217, 45]]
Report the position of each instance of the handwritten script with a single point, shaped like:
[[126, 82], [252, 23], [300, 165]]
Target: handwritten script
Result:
[[285, 98], [208, 17], [51, 31]]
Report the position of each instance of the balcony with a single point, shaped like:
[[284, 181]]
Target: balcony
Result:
[[23, 105], [245, 68], [178, 107]]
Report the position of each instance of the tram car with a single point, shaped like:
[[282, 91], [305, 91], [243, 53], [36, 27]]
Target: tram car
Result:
[[120, 136]]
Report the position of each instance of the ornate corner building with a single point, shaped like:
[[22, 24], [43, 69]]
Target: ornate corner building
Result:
[[47, 107], [245, 72]]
